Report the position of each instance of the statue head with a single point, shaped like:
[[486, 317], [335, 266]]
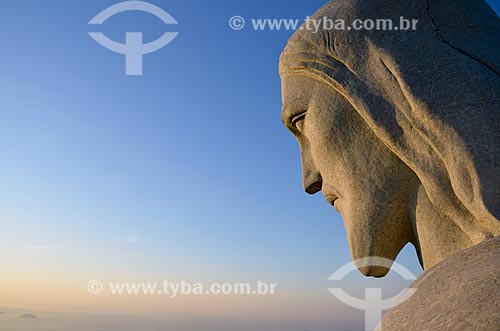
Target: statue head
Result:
[[400, 130]]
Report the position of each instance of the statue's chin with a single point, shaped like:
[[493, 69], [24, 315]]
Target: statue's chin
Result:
[[374, 271], [366, 254], [366, 257], [373, 235]]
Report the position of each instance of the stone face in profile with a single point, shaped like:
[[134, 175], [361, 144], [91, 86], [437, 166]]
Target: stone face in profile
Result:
[[400, 130]]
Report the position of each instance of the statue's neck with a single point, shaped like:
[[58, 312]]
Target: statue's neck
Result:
[[437, 236]]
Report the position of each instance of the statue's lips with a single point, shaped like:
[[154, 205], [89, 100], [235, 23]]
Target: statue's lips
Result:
[[331, 198]]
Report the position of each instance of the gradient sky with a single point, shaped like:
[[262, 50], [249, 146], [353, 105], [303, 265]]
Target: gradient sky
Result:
[[184, 173]]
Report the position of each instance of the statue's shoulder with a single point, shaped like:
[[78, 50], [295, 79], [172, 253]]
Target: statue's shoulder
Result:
[[460, 293]]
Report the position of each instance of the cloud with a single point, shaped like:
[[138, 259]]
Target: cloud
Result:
[[38, 247], [126, 239], [131, 239]]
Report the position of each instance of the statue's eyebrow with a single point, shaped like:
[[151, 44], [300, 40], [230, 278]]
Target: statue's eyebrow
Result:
[[285, 118]]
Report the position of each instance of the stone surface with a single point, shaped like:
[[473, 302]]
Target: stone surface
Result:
[[400, 130], [461, 293]]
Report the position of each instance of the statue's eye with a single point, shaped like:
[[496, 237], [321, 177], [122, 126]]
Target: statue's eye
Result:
[[298, 121]]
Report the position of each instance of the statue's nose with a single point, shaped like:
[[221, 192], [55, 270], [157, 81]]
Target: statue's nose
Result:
[[313, 186], [311, 178]]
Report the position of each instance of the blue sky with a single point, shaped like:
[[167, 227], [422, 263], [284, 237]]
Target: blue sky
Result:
[[185, 172]]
